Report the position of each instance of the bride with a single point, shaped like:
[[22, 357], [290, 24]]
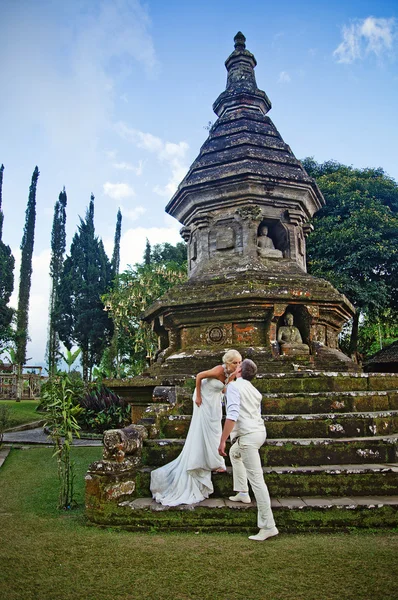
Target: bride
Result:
[[187, 479]]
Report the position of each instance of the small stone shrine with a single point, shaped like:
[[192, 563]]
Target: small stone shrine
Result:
[[245, 206]]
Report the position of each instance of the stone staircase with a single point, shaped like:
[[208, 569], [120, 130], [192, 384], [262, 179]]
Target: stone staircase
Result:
[[330, 460]]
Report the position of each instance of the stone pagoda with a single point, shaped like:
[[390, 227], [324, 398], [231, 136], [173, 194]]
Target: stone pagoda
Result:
[[245, 206]]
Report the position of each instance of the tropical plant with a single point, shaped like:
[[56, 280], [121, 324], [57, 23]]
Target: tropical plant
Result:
[[135, 290], [63, 427], [103, 409]]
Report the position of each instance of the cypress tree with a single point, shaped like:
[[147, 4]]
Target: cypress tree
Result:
[[1, 201], [115, 263], [58, 244], [26, 272], [147, 253], [86, 276], [7, 263]]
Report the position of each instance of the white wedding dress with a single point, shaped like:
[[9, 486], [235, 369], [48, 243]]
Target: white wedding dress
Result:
[[187, 479]]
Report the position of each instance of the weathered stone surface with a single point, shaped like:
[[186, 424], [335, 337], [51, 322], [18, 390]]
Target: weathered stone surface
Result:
[[245, 204]]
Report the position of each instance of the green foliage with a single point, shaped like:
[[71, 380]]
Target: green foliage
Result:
[[63, 427], [21, 336], [58, 245], [7, 264], [115, 262], [135, 290], [354, 244], [373, 334], [147, 253], [22, 412], [77, 388], [86, 275], [165, 253], [103, 410], [70, 357], [5, 420]]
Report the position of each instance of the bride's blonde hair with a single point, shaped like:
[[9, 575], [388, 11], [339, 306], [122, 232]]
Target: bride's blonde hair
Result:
[[230, 355]]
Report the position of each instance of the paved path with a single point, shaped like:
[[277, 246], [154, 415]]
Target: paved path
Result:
[[38, 436]]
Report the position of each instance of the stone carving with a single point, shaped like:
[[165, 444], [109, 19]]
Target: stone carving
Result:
[[250, 211], [215, 334], [289, 337], [112, 479], [265, 245], [121, 442]]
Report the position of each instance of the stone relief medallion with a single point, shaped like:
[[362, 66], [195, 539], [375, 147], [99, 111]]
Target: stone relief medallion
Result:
[[216, 334]]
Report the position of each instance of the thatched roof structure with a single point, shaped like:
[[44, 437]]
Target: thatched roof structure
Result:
[[384, 361]]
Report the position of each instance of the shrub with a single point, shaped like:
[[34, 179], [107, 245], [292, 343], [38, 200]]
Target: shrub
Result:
[[5, 419], [103, 410]]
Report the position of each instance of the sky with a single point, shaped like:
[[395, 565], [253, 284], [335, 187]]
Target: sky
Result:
[[113, 98]]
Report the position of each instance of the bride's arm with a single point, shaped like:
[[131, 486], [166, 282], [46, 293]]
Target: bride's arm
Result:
[[216, 372]]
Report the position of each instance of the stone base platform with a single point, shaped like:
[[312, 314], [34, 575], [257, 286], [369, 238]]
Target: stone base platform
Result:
[[293, 514]]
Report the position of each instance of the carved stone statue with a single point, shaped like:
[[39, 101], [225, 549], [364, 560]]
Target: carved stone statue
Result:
[[289, 338], [265, 246]]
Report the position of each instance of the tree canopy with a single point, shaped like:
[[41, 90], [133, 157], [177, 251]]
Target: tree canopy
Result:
[[134, 290], [58, 245], [86, 276], [25, 277], [7, 263], [354, 244]]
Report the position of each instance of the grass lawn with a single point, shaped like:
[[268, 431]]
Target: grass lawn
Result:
[[49, 555], [22, 412]]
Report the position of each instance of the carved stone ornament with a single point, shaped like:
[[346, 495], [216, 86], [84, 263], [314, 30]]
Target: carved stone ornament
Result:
[[216, 334], [251, 211]]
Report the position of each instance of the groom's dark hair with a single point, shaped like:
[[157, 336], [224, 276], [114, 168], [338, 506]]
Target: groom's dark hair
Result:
[[249, 369]]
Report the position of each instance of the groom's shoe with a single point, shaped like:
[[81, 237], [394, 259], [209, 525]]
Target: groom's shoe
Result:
[[264, 534], [240, 497]]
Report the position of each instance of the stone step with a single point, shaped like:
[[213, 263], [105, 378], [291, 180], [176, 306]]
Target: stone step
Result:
[[305, 382], [295, 451], [334, 425], [314, 402], [292, 514], [325, 402], [321, 480]]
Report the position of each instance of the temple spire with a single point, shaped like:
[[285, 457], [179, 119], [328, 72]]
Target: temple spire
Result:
[[241, 90]]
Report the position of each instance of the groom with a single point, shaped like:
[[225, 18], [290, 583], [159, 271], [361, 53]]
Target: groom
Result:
[[247, 430]]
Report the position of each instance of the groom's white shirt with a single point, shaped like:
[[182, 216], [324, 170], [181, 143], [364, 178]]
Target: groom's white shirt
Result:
[[244, 407]]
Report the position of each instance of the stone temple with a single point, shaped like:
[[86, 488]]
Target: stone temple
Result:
[[245, 206], [330, 456]]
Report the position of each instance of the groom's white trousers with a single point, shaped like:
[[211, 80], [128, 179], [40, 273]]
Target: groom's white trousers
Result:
[[246, 465]]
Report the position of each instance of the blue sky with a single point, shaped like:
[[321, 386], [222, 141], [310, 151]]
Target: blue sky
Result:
[[113, 98]]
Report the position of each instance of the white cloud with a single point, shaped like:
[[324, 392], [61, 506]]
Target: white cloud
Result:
[[132, 213], [284, 77], [368, 36], [132, 243], [116, 191], [124, 166], [170, 153]]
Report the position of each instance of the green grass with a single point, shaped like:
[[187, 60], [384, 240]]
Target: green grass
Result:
[[49, 555], [22, 412]]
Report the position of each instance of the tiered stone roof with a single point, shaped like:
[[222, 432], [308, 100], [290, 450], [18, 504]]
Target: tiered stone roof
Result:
[[243, 144]]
